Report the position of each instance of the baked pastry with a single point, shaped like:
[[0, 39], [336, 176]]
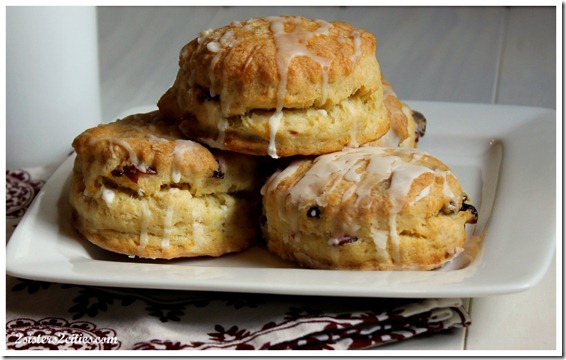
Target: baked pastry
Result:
[[139, 189], [369, 208], [406, 126], [279, 86]]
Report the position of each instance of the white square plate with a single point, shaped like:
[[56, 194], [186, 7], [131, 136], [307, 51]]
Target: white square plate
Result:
[[504, 157]]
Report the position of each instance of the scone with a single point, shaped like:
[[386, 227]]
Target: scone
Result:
[[369, 208], [139, 189], [406, 126], [279, 86]]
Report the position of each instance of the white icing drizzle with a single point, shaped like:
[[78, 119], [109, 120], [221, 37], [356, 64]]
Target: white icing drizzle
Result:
[[175, 175], [251, 55], [390, 138], [225, 42], [181, 148], [363, 168], [211, 74], [274, 122], [157, 138], [222, 126], [145, 217], [219, 47], [379, 238], [167, 224], [213, 46], [108, 196], [406, 111], [401, 180], [203, 35], [446, 188], [289, 45], [333, 241], [424, 193], [353, 142], [139, 165], [357, 43]]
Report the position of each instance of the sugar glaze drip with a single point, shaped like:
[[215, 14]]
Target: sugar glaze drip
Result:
[[290, 45], [181, 148]]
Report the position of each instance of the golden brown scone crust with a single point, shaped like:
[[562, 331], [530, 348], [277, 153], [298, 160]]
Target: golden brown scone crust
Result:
[[239, 63], [139, 188], [369, 208], [252, 88]]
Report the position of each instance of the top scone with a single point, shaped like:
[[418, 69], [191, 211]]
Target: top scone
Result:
[[279, 86]]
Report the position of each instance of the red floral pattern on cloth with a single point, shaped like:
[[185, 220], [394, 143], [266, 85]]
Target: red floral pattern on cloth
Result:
[[21, 189], [142, 319], [43, 315], [356, 330]]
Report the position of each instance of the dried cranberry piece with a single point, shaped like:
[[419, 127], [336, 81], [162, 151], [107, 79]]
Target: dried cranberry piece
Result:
[[342, 240], [132, 172]]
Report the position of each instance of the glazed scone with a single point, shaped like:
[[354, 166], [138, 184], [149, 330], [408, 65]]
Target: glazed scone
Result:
[[370, 208], [279, 86], [138, 188]]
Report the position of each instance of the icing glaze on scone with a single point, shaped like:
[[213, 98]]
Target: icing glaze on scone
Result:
[[370, 195], [279, 86], [290, 45]]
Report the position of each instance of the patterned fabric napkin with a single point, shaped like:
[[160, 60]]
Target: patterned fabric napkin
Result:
[[42, 315]]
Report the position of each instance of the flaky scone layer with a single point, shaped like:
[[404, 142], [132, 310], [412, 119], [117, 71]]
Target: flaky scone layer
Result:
[[171, 223], [352, 122]]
